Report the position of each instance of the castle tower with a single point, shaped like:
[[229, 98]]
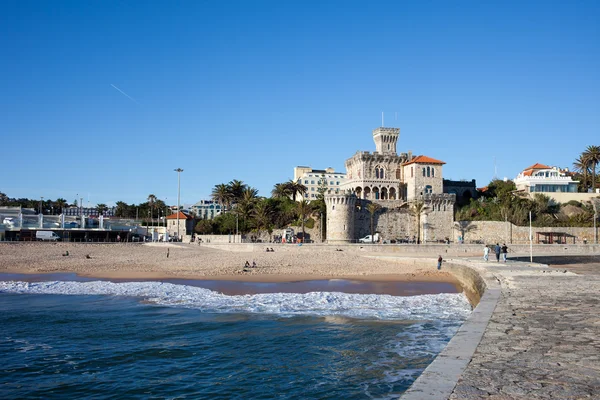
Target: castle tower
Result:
[[386, 139], [340, 217]]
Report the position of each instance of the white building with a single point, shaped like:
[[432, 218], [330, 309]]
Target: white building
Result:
[[540, 178], [316, 179], [206, 209]]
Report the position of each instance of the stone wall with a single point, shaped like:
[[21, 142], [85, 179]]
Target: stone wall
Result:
[[506, 232]]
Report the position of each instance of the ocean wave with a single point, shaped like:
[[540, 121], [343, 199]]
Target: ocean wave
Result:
[[445, 306]]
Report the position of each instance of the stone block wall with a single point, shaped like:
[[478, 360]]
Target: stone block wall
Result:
[[506, 232]]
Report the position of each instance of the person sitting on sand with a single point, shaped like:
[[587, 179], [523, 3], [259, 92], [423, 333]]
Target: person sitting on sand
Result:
[[247, 265], [253, 264], [272, 250], [268, 250]]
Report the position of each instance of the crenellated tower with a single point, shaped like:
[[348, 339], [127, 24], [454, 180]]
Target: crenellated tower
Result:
[[340, 217], [386, 140]]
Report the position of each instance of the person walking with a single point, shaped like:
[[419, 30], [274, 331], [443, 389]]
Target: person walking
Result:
[[439, 264], [486, 253], [504, 251], [497, 250]]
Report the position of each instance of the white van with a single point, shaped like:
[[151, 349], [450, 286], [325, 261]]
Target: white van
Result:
[[369, 239], [46, 235]]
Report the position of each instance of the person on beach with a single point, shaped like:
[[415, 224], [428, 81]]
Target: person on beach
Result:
[[486, 253], [247, 265], [497, 250], [439, 265], [118, 238], [253, 264], [504, 251]]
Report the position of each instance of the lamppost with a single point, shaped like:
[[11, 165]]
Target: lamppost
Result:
[[179, 171], [41, 202]]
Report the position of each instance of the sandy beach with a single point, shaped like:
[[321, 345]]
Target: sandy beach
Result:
[[189, 261]]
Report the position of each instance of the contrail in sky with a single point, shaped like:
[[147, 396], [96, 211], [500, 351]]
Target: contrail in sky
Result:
[[128, 96]]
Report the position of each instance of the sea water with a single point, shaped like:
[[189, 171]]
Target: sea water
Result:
[[144, 340]]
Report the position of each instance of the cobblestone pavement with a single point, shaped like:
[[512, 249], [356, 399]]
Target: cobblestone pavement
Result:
[[543, 339]]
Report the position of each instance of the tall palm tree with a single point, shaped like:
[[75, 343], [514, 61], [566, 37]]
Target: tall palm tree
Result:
[[222, 195], [592, 156], [101, 208], [580, 165], [296, 188], [151, 201], [263, 216], [236, 190], [373, 208], [61, 204], [304, 209], [281, 191], [418, 209]]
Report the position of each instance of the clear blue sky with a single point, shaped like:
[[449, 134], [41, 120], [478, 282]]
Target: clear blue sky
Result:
[[250, 89]]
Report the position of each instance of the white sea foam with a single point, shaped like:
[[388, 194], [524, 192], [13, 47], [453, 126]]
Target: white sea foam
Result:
[[445, 306]]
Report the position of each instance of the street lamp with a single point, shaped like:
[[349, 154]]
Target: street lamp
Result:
[[41, 205], [179, 171]]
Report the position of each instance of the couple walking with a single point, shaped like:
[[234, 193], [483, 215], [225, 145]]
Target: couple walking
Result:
[[497, 250]]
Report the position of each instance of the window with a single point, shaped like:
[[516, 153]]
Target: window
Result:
[[312, 189], [428, 172], [337, 183], [306, 182], [411, 172], [428, 189], [331, 182], [433, 172], [312, 182], [424, 172], [312, 195]]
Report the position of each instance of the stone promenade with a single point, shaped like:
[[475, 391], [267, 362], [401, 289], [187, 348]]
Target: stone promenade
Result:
[[534, 335], [543, 339]]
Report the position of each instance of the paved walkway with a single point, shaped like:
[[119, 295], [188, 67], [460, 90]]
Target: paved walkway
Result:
[[534, 335], [543, 339]]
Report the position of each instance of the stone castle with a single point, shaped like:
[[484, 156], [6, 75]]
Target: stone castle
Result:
[[407, 189]]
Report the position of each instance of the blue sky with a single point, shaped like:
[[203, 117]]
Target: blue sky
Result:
[[250, 89]]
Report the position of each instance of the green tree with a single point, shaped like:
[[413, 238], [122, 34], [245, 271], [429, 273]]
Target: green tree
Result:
[[281, 190], [418, 209], [263, 217], [60, 204], [591, 156], [373, 208], [222, 195], [101, 208], [151, 202], [304, 210], [204, 227]]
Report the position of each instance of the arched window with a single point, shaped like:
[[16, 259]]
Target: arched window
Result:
[[424, 171], [428, 189], [433, 172], [411, 172], [428, 172]]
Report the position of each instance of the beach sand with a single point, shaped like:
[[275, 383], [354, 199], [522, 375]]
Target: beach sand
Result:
[[189, 261]]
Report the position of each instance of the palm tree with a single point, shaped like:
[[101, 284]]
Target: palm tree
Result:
[[263, 215], [304, 209], [60, 203], [281, 191], [417, 210], [222, 195], [236, 190], [372, 208], [151, 201], [101, 208], [581, 166], [592, 156], [296, 188]]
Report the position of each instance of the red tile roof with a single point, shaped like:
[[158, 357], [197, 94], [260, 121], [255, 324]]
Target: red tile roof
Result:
[[182, 215], [537, 166], [424, 160]]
